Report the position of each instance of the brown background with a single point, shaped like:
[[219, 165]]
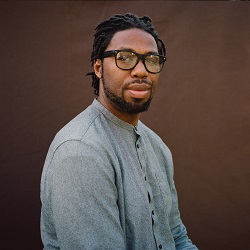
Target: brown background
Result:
[[201, 109]]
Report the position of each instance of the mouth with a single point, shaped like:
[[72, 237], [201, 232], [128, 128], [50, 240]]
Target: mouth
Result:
[[139, 91]]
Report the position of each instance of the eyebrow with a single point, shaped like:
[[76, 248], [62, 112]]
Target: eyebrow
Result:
[[132, 50]]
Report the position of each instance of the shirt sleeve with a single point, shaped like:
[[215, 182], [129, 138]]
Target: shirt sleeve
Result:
[[179, 231], [79, 201]]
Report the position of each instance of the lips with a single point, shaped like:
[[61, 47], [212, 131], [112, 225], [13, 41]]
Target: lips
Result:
[[139, 90]]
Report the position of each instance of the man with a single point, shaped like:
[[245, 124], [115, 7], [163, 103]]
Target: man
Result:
[[108, 181]]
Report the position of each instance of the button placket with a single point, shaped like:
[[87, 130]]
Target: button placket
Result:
[[139, 148], [155, 228], [140, 153]]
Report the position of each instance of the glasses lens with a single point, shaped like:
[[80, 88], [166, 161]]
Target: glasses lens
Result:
[[153, 63], [126, 59]]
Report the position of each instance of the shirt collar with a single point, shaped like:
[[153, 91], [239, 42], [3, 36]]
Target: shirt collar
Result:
[[114, 118]]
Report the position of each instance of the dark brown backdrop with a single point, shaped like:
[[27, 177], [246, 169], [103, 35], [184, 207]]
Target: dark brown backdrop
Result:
[[201, 109]]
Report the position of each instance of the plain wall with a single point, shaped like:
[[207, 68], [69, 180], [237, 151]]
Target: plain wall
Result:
[[201, 109]]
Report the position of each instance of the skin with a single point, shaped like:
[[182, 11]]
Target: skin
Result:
[[137, 86]]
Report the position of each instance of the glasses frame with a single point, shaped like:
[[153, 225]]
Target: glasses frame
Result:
[[141, 57]]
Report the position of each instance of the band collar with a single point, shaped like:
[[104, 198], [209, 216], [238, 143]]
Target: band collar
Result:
[[115, 119]]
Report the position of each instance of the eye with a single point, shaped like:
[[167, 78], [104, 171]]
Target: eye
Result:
[[125, 56], [152, 59]]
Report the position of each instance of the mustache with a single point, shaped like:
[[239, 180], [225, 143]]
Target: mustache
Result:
[[140, 82]]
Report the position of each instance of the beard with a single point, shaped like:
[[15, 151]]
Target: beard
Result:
[[121, 104]]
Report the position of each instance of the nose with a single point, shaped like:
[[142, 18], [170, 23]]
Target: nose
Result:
[[139, 71]]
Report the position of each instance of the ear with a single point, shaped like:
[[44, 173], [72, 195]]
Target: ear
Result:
[[98, 68]]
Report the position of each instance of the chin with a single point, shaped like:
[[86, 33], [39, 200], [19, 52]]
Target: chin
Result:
[[135, 107]]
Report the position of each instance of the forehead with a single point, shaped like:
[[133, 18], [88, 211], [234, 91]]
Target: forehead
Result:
[[135, 39]]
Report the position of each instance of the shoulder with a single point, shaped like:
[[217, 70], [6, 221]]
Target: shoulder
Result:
[[78, 128], [77, 160], [80, 136]]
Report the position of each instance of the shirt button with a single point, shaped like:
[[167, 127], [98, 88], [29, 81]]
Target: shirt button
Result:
[[160, 246], [149, 199]]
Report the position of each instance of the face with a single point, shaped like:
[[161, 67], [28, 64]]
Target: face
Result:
[[127, 91]]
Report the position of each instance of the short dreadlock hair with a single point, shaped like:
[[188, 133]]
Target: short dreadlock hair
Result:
[[105, 31]]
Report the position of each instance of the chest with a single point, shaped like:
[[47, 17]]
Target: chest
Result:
[[145, 185]]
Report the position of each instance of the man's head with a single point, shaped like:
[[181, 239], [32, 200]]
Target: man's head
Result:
[[105, 31]]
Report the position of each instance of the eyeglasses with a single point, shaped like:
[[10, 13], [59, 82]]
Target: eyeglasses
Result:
[[127, 60]]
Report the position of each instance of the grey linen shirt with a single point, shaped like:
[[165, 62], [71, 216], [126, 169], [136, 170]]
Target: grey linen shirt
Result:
[[109, 185]]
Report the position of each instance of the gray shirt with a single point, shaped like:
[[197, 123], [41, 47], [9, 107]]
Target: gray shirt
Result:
[[109, 185]]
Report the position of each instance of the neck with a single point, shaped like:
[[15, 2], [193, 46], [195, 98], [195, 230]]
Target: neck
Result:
[[127, 117]]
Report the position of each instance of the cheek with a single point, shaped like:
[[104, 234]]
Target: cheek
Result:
[[109, 71], [114, 78], [111, 79], [155, 80]]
